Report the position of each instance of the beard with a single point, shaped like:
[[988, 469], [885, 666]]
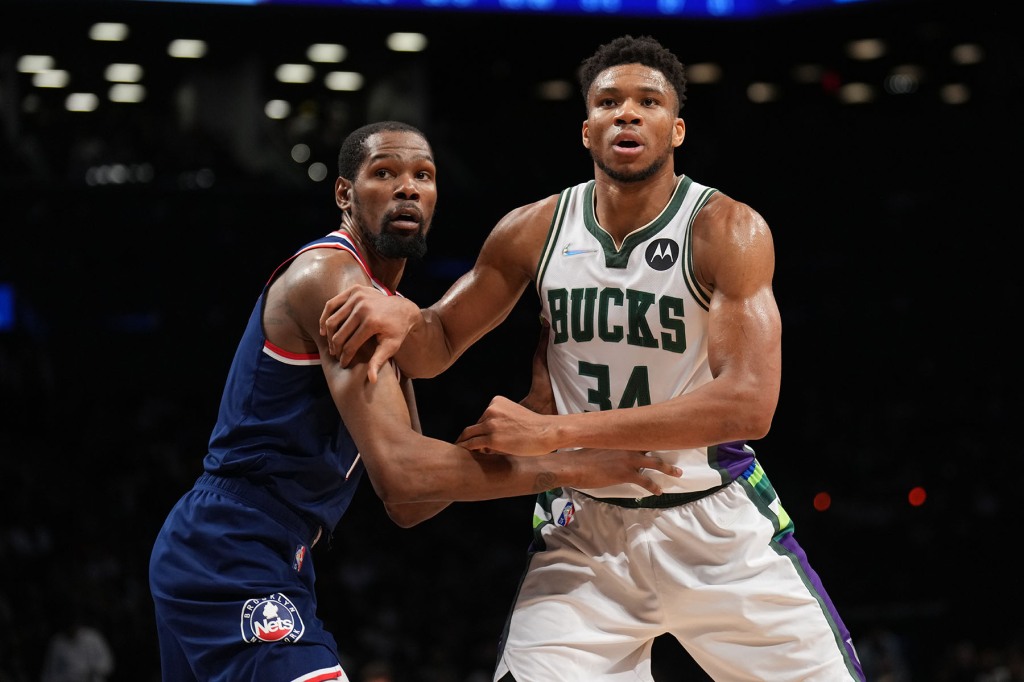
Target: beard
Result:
[[390, 244], [629, 176], [385, 241]]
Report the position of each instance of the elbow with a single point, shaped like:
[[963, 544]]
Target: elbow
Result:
[[394, 488], [425, 367], [395, 472], [403, 516], [761, 414], [757, 414], [759, 427]]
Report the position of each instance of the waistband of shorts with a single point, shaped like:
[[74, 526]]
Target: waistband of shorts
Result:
[[244, 491], [662, 501]]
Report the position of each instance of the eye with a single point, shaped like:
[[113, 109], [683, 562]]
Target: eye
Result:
[[649, 102], [606, 102], [424, 175], [382, 173]]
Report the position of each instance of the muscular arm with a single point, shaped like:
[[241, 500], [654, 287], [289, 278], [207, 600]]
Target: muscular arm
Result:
[[426, 342], [734, 255], [409, 514], [403, 465]]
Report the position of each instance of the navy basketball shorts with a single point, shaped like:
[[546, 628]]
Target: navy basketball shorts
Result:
[[233, 590]]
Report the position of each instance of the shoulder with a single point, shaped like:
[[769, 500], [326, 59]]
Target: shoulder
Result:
[[723, 214], [530, 217], [309, 280], [323, 268], [727, 232], [522, 231]]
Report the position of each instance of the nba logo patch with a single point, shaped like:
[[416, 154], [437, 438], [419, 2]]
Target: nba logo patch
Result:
[[300, 556], [562, 511], [271, 619]]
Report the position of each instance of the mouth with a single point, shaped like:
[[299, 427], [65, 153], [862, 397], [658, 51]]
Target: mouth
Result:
[[406, 218], [627, 143]]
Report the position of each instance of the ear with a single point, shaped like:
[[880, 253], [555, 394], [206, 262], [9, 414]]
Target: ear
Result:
[[586, 134], [679, 132], [343, 193]]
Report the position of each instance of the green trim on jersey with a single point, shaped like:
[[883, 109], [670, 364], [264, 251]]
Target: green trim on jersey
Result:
[[619, 258], [557, 220], [701, 295]]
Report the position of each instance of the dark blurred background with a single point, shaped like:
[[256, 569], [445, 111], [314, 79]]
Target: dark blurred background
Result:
[[880, 140]]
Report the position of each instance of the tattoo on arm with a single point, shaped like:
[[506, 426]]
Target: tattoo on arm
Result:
[[546, 480]]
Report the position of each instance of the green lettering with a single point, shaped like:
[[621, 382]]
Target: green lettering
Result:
[[608, 298], [583, 313], [639, 331], [558, 303], [671, 314]]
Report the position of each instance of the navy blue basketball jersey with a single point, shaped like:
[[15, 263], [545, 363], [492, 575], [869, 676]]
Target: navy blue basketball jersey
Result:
[[278, 425]]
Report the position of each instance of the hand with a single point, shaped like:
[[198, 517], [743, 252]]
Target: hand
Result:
[[507, 427], [598, 468], [361, 313]]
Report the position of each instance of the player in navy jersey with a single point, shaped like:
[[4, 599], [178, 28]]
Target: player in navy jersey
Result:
[[663, 334], [231, 571]]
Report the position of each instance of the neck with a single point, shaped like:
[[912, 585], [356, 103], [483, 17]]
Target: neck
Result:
[[622, 207], [387, 271]]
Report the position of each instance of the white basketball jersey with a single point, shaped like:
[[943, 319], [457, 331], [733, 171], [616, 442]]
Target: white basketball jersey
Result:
[[629, 325]]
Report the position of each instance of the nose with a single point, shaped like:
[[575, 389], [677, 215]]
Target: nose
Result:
[[407, 187], [628, 113]]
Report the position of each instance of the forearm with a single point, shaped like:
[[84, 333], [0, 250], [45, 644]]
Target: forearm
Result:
[[707, 416], [434, 471], [426, 352]]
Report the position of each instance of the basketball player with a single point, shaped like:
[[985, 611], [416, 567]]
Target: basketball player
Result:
[[231, 572], [664, 335]]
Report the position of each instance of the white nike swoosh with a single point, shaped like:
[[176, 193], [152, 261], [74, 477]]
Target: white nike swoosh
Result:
[[576, 252]]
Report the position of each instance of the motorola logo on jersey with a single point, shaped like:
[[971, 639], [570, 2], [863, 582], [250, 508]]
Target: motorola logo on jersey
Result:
[[662, 254], [271, 619]]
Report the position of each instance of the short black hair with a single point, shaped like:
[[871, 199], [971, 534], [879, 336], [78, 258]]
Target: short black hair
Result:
[[629, 50], [353, 149]]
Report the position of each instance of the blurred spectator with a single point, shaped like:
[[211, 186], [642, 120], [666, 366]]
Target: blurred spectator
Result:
[[77, 651]]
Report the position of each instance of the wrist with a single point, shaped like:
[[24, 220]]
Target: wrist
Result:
[[556, 433]]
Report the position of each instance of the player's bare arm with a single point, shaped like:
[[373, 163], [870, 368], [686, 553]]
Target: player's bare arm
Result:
[[734, 256], [475, 304], [414, 475], [290, 321], [406, 467], [541, 398]]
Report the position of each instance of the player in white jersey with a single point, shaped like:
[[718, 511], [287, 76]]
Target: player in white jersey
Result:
[[663, 335]]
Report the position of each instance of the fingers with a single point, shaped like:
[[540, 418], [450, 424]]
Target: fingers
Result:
[[473, 444], [470, 433], [647, 483], [337, 315], [377, 361], [347, 341], [332, 310], [324, 315], [658, 464], [341, 321]]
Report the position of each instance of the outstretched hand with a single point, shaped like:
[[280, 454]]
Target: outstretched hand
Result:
[[360, 313], [601, 468]]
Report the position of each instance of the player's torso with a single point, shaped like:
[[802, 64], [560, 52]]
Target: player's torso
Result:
[[629, 325], [278, 423]]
